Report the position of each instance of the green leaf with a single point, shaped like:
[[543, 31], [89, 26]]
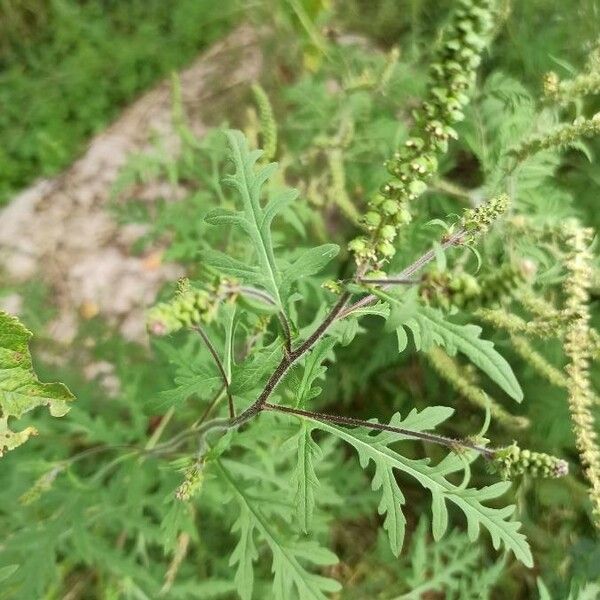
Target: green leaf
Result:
[[583, 148], [304, 476], [178, 518], [289, 574], [227, 265], [187, 385], [280, 200], [450, 567], [252, 372], [429, 328], [20, 389], [469, 500], [440, 256], [6, 572], [206, 589], [229, 322], [254, 220], [543, 590], [195, 373], [310, 262], [345, 330], [314, 370], [244, 554], [402, 308]]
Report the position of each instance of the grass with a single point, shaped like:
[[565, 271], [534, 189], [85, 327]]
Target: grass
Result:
[[67, 67]]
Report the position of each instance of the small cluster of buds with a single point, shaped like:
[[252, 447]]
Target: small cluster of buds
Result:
[[416, 162], [191, 483], [476, 221], [268, 126], [561, 137], [512, 461], [504, 281], [189, 307], [445, 289], [578, 348], [42, 485], [571, 90]]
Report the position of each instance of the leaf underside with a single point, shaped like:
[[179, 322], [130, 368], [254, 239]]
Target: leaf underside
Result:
[[470, 501], [430, 328]]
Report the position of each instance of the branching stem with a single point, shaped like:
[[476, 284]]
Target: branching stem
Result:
[[338, 311], [454, 240], [288, 360], [291, 356]]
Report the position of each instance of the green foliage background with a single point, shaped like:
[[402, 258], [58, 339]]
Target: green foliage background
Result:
[[105, 523], [67, 67]]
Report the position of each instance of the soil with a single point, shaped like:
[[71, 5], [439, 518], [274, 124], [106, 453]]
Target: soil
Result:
[[61, 231]]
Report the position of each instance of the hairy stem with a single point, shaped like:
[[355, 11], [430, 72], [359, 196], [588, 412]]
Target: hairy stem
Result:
[[454, 240], [389, 281], [338, 311], [451, 443]]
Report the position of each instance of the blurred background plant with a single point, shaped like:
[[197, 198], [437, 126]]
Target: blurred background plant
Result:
[[68, 67]]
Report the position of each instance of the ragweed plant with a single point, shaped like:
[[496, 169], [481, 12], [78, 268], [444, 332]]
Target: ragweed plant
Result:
[[276, 283]]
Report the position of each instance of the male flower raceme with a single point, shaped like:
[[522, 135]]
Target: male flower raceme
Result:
[[453, 75], [513, 461]]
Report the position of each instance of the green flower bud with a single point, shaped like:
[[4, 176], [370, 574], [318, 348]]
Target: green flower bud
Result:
[[332, 286], [440, 145], [453, 46], [189, 307], [452, 77], [455, 284], [403, 216], [436, 70], [372, 219], [471, 287], [42, 485], [478, 220], [440, 94], [191, 484], [415, 143], [420, 166], [390, 207], [453, 67], [551, 84], [388, 233], [455, 116], [377, 200], [394, 189], [358, 245], [386, 249], [417, 187]]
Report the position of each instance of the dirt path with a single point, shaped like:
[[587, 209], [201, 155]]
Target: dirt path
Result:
[[60, 230]]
